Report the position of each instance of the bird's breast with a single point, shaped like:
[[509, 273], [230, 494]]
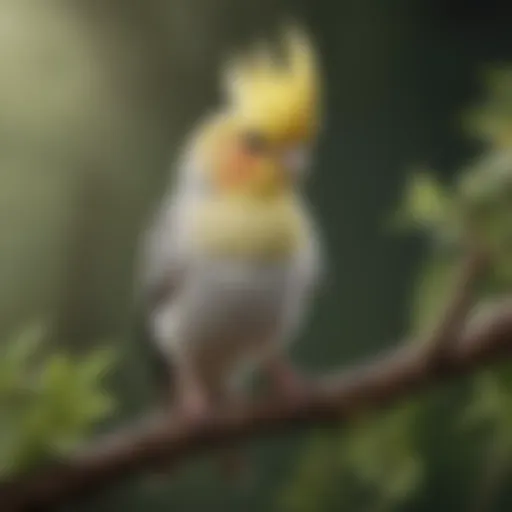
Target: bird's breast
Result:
[[250, 231], [230, 312], [229, 300]]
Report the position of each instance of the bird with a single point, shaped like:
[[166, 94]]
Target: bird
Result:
[[232, 258]]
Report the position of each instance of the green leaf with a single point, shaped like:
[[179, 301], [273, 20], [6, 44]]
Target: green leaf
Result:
[[426, 202], [97, 364], [382, 453], [17, 359], [25, 344], [314, 478], [48, 403], [376, 457], [491, 406], [491, 120], [431, 293]]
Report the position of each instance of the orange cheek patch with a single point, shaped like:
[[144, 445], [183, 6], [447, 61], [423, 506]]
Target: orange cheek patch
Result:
[[236, 167]]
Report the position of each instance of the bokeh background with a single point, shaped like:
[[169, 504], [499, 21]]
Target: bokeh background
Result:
[[96, 97]]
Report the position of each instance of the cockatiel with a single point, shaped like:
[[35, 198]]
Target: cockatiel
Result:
[[232, 260]]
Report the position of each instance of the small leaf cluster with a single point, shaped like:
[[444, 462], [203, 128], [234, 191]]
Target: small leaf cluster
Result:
[[48, 402], [373, 465]]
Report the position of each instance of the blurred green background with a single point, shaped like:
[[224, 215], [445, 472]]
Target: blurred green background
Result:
[[95, 99]]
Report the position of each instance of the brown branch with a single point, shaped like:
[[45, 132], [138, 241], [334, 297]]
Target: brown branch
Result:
[[452, 322], [162, 441]]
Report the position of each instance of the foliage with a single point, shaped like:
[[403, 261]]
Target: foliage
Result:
[[382, 455], [375, 463], [48, 403]]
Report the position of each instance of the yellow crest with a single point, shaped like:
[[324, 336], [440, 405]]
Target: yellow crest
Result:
[[281, 99]]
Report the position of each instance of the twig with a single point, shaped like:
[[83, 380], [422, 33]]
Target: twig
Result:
[[161, 441], [455, 315], [377, 384]]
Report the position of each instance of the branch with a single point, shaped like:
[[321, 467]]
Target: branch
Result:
[[163, 442], [452, 322]]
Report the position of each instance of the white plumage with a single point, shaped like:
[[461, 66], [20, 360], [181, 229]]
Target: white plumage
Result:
[[218, 306]]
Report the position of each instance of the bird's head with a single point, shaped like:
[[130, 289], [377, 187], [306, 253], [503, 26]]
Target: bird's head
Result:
[[259, 144]]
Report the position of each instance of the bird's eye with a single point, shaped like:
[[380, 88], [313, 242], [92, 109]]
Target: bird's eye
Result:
[[255, 143]]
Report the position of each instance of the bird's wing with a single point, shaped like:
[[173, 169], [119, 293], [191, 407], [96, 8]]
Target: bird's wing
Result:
[[309, 279], [162, 267], [163, 262], [163, 258], [311, 261]]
